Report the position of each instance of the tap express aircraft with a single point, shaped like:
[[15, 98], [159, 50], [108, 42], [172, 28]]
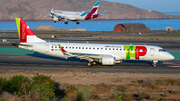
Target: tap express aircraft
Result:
[[57, 15], [106, 54]]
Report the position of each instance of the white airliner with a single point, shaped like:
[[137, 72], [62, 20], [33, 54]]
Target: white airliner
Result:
[[107, 54], [57, 15]]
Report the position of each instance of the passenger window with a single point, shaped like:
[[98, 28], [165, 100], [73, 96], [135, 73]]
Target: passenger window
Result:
[[72, 47], [94, 48], [52, 46], [66, 47], [79, 47], [109, 48], [69, 47], [101, 48], [105, 48], [97, 48], [113, 48], [89, 47], [86, 48], [82, 47], [117, 49], [76, 47], [124, 49]]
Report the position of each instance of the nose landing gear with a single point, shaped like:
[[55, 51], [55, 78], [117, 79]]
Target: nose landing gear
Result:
[[154, 64]]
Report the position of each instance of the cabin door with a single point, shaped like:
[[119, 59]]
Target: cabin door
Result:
[[152, 51], [46, 48]]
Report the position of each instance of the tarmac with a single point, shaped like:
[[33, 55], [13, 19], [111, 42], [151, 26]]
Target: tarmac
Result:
[[13, 58]]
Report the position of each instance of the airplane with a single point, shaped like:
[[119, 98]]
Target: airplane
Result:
[[58, 15], [106, 54]]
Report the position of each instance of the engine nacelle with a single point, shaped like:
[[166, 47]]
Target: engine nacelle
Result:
[[108, 60], [56, 18]]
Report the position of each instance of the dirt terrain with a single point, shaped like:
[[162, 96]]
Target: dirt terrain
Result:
[[155, 85]]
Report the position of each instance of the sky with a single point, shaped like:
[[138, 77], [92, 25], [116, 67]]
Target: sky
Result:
[[157, 5]]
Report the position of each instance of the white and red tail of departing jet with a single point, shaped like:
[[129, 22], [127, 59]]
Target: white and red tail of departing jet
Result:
[[106, 54], [57, 15]]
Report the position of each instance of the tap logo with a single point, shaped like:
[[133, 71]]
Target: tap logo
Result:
[[135, 51]]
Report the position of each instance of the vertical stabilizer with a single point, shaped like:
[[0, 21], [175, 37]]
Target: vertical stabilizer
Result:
[[95, 8], [25, 33]]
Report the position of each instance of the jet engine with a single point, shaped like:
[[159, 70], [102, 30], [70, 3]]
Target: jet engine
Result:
[[108, 60], [56, 18], [50, 15]]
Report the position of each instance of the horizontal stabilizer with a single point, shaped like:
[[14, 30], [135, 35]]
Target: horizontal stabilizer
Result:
[[19, 44], [103, 12]]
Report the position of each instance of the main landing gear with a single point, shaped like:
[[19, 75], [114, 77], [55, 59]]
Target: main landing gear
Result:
[[77, 22], [89, 64], [66, 22], [154, 64]]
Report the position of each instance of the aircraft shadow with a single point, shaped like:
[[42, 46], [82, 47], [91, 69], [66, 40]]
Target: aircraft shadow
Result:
[[39, 55]]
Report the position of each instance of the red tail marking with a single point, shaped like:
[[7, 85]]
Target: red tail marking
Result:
[[24, 31]]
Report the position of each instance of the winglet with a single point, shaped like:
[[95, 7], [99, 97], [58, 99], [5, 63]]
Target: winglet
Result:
[[62, 49]]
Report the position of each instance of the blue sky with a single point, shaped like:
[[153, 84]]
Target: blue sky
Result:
[[157, 5]]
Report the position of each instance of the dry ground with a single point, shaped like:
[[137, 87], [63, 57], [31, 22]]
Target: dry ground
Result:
[[132, 83]]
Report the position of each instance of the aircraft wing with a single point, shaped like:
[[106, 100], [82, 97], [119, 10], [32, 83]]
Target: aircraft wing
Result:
[[64, 17], [85, 56]]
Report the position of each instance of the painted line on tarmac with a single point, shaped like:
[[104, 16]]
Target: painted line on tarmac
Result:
[[178, 66]]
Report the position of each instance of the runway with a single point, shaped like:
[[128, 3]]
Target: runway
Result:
[[28, 60]]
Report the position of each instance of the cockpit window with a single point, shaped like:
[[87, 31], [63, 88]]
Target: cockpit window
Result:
[[162, 50]]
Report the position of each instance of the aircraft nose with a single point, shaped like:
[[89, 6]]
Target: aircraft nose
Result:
[[171, 57]]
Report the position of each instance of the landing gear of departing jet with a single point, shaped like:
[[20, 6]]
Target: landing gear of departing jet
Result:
[[54, 21], [77, 22], [154, 64], [66, 22]]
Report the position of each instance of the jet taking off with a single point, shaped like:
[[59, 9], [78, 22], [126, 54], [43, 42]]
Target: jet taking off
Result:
[[107, 54], [57, 15]]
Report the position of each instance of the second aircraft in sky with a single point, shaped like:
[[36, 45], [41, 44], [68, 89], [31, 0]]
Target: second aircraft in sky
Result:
[[58, 15]]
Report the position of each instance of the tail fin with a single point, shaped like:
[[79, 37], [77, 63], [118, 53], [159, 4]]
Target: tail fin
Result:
[[25, 33], [95, 8]]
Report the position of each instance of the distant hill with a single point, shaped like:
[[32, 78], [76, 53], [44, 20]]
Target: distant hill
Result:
[[39, 9]]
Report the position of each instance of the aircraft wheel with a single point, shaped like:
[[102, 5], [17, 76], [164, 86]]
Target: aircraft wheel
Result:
[[154, 65], [94, 63], [77, 22], [54, 21], [89, 64], [66, 22]]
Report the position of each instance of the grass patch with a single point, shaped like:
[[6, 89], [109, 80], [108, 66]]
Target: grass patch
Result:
[[174, 92]]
